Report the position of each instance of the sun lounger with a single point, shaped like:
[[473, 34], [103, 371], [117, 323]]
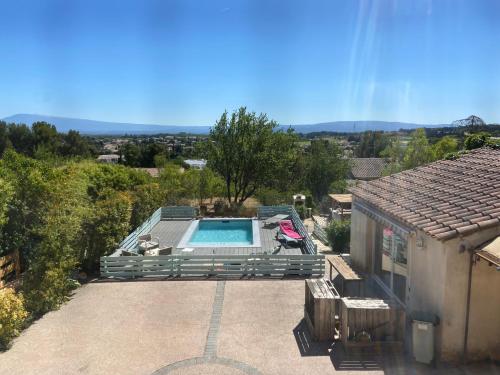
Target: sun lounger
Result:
[[287, 229], [288, 241]]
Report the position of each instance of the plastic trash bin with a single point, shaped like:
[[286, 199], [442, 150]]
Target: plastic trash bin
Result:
[[423, 337]]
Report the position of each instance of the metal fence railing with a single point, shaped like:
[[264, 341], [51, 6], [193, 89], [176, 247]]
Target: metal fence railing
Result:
[[320, 233], [178, 212], [131, 241], [213, 265]]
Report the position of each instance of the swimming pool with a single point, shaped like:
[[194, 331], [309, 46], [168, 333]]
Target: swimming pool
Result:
[[221, 233]]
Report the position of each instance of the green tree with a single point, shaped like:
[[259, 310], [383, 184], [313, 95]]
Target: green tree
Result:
[[6, 195], [211, 185], [161, 159], [105, 226], [244, 151], [31, 185], [149, 153], [21, 138], [288, 166], [47, 281], [324, 166], [131, 155], [201, 185], [190, 182], [4, 137], [419, 151], [372, 143], [73, 144], [171, 183], [146, 200], [394, 153], [47, 140], [444, 146]]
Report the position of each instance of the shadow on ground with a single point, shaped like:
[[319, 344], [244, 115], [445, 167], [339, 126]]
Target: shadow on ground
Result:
[[341, 360], [388, 362]]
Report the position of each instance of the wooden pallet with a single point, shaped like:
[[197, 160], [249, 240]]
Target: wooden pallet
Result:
[[10, 268]]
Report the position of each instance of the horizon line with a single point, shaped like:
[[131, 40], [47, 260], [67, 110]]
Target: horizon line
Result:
[[206, 125]]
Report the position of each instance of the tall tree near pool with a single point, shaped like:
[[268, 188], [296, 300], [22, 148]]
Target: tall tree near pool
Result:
[[246, 151], [324, 168]]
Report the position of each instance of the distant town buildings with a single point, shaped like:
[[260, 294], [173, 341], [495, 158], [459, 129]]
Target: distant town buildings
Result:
[[196, 163]]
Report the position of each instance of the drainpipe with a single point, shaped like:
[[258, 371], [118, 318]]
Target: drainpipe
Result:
[[467, 311]]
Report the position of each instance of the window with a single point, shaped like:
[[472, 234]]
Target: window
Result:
[[390, 260]]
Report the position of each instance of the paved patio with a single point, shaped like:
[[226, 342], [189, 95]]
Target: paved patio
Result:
[[187, 327]]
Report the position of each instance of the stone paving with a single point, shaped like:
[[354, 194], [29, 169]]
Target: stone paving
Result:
[[210, 362], [175, 327]]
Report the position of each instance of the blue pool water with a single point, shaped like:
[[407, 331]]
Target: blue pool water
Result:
[[238, 232]]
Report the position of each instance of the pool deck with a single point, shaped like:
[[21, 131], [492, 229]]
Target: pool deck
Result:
[[170, 233]]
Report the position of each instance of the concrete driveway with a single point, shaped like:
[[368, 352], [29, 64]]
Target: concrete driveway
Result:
[[185, 327]]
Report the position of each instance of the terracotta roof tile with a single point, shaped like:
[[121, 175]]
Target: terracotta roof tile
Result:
[[367, 168], [444, 199]]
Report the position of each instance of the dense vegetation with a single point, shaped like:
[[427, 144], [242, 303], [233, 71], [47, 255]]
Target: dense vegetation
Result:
[[42, 140]]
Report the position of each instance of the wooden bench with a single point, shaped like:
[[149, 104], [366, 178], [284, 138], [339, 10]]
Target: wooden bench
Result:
[[350, 281]]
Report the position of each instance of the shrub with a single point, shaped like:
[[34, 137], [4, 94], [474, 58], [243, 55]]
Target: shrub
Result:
[[219, 206], [301, 210], [146, 200], [105, 227], [12, 316], [339, 234], [52, 290], [271, 197], [475, 141]]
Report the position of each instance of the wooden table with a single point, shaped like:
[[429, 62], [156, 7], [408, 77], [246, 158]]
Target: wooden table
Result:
[[347, 274]]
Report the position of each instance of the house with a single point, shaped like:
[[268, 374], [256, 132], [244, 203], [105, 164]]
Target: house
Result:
[[111, 158], [196, 163], [366, 169], [429, 237]]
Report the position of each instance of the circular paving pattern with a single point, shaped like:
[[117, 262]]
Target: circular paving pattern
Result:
[[210, 364], [207, 366]]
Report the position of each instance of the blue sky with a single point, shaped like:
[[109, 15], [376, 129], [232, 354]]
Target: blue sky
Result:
[[183, 62]]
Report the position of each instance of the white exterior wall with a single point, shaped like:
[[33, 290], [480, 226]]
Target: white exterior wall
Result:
[[484, 320], [425, 287], [362, 240]]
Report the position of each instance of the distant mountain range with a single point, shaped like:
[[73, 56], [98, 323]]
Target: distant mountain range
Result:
[[93, 127]]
